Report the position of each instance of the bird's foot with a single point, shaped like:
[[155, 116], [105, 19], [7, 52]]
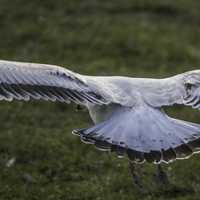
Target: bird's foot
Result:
[[136, 179], [161, 176]]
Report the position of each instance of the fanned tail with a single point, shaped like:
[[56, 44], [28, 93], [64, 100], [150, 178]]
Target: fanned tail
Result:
[[144, 133]]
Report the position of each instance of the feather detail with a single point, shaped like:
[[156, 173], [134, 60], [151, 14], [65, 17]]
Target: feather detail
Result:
[[145, 134], [25, 81]]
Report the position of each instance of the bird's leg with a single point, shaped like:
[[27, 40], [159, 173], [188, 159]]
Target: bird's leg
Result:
[[161, 175], [136, 178]]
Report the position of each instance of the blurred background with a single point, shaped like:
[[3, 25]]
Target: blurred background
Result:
[[39, 157]]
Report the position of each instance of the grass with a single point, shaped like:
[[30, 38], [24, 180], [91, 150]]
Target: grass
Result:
[[39, 158]]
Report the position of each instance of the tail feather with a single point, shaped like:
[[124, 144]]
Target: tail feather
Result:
[[144, 133]]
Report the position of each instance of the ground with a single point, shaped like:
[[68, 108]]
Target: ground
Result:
[[39, 157]]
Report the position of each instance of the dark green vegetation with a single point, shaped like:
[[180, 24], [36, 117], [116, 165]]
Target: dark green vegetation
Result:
[[136, 38]]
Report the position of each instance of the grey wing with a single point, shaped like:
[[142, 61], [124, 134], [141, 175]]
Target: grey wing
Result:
[[192, 90], [25, 81], [181, 89]]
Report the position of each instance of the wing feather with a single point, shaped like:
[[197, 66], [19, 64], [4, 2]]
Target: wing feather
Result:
[[181, 89], [25, 81]]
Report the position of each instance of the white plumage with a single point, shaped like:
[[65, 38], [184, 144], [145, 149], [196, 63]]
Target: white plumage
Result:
[[126, 111]]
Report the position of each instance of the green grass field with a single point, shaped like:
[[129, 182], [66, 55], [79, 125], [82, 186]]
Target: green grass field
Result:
[[39, 157]]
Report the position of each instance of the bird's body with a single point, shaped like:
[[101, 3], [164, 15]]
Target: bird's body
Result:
[[126, 111]]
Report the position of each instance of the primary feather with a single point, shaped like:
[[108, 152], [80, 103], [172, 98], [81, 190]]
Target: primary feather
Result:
[[24, 81]]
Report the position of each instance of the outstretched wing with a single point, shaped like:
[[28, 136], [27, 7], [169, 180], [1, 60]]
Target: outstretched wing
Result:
[[181, 89], [25, 81]]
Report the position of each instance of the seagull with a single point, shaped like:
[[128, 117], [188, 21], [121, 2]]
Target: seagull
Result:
[[127, 112]]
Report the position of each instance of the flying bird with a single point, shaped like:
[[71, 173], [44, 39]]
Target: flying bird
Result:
[[127, 112]]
